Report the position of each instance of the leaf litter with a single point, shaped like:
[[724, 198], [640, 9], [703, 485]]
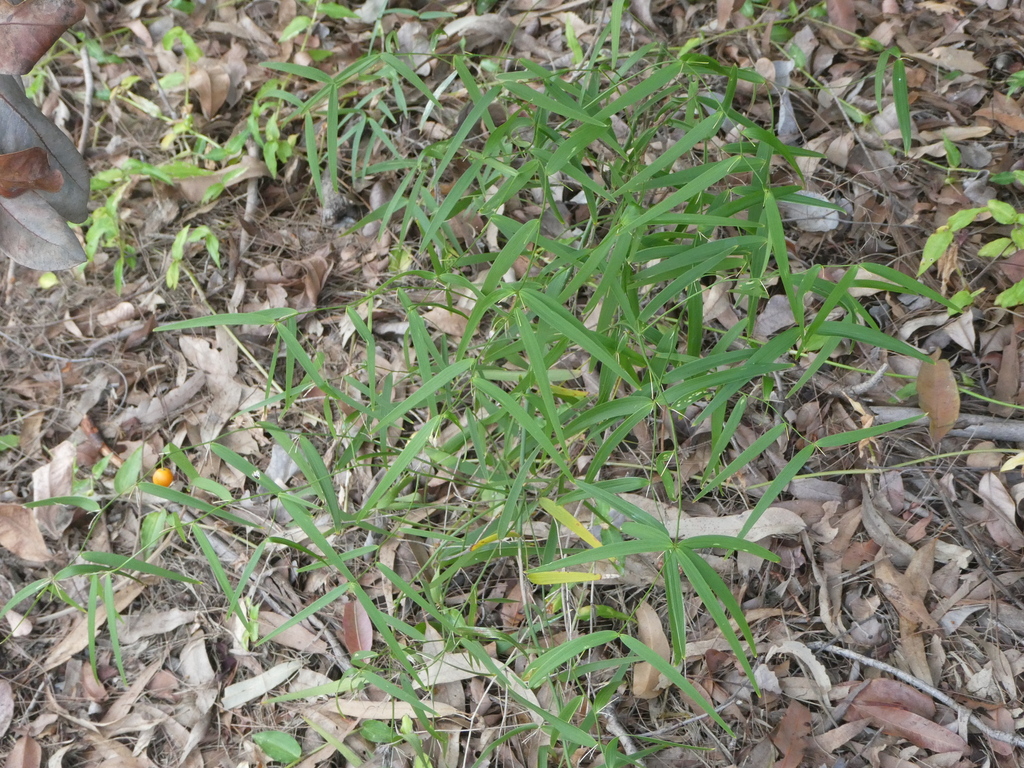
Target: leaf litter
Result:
[[891, 574]]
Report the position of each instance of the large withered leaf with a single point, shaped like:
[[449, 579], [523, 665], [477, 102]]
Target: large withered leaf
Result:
[[33, 234], [27, 170], [23, 126], [938, 396], [28, 29]]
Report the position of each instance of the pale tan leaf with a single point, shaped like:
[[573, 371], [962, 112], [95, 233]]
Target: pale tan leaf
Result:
[[19, 534], [247, 168], [445, 320], [651, 633], [26, 754], [901, 592], [6, 707], [390, 710], [647, 681], [296, 636], [938, 396], [54, 479], [237, 694]]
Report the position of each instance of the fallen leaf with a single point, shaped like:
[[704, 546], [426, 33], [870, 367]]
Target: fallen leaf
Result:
[[26, 753], [647, 681], [20, 535], [904, 594], [902, 711], [6, 707], [843, 14], [791, 735], [27, 30], [938, 396], [26, 170], [356, 628]]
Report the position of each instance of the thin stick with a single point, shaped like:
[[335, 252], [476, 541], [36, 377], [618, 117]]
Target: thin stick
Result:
[[921, 685], [87, 110]]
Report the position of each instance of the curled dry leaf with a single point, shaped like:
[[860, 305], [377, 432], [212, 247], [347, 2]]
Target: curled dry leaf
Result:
[[647, 681], [938, 396]]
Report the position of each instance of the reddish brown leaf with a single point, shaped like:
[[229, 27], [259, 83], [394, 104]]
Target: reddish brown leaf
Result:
[[27, 170], [910, 726], [29, 29], [906, 712], [938, 396], [356, 629], [790, 738]]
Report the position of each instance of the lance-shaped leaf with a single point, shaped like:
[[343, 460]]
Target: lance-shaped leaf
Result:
[[23, 126], [27, 170], [28, 29], [35, 235]]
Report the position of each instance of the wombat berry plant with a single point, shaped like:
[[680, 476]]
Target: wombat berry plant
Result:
[[44, 182]]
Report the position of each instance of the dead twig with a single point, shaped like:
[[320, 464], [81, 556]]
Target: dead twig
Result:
[[968, 425], [921, 685], [83, 138]]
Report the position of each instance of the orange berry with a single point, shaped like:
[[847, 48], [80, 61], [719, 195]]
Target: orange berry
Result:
[[163, 476]]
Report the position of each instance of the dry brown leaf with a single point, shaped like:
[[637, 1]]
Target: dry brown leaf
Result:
[[356, 627], [51, 480], [26, 170], [210, 80], [19, 534], [1001, 720], [904, 595], [296, 636], [843, 14], [791, 736], [390, 710], [1008, 381], [902, 711], [938, 396], [445, 320], [26, 754], [647, 681]]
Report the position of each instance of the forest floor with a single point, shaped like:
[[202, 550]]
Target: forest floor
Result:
[[887, 632]]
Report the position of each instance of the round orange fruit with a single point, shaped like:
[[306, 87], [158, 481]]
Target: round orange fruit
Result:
[[163, 476]]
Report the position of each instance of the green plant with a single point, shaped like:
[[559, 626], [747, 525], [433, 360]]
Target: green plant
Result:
[[570, 335], [940, 241]]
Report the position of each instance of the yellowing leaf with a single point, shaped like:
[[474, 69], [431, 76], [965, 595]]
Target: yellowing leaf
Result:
[[563, 516], [561, 577], [1013, 463], [938, 396]]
